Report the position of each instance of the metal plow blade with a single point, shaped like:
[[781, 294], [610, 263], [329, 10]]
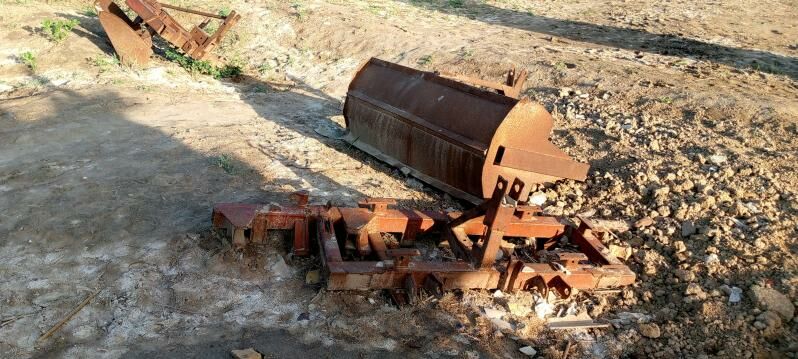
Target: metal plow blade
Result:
[[133, 47], [454, 136]]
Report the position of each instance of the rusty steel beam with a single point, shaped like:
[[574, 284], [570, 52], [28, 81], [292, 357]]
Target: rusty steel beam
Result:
[[454, 136]]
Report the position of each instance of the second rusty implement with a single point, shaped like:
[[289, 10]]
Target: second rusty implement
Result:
[[132, 38], [454, 136]]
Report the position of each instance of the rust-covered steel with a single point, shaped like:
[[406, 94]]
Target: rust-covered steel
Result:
[[132, 38], [484, 241], [512, 87], [454, 136]]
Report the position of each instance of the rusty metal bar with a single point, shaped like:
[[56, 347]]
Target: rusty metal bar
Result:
[[195, 12]]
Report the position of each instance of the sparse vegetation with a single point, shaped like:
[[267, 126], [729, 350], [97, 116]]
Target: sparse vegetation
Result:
[[29, 59], [224, 11], [105, 63], [666, 100], [90, 11], [58, 30], [202, 67], [300, 11], [225, 162], [425, 60], [455, 3]]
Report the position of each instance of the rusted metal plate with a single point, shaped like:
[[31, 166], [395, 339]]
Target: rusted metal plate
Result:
[[451, 135], [132, 48]]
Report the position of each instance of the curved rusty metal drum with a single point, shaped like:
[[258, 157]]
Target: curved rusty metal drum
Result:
[[456, 137]]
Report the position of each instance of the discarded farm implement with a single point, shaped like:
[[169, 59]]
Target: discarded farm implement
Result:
[[132, 39], [466, 141], [454, 136], [503, 243]]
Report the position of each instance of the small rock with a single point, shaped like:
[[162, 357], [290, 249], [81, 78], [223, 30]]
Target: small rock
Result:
[[303, 316], [248, 353], [771, 299], [405, 171], [622, 252], [695, 290], [537, 198], [735, 295], [718, 159], [498, 294], [491, 313], [501, 325], [312, 277], [679, 247], [649, 330], [688, 228], [5, 88], [644, 222], [685, 275], [711, 258], [528, 351]]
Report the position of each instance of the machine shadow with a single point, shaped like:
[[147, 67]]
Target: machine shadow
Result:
[[629, 39], [309, 112]]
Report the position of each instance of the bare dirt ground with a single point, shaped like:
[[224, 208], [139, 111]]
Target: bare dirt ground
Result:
[[686, 111]]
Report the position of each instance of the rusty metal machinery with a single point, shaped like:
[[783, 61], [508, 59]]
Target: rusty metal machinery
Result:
[[503, 243], [132, 39], [454, 136], [511, 87]]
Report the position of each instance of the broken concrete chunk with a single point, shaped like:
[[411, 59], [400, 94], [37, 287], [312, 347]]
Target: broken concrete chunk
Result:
[[501, 325], [528, 351], [649, 330], [644, 222], [248, 353], [622, 252], [771, 299], [491, 313]]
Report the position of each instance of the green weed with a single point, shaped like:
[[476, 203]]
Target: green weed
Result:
[[456, 3], [225, 162], [425, 60], [89, 11], [201, 67], [29, 59], [666, 100], [105, 63], [58, 30]]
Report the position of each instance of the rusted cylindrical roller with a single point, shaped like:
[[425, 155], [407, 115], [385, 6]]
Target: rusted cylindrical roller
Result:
[[453, 136]]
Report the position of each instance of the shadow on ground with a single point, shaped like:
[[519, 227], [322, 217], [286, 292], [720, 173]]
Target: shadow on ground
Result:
[[624, 38]]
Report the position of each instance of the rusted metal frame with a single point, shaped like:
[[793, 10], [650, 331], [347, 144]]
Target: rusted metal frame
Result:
[[195, 43], [250, 223], [585, 237]]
